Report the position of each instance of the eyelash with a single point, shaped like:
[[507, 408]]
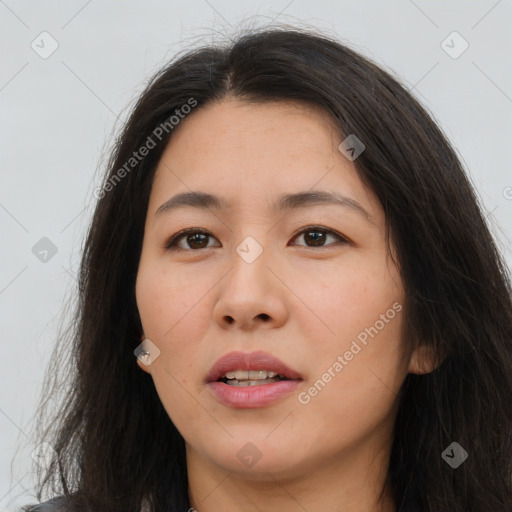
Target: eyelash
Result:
[[170, 245]]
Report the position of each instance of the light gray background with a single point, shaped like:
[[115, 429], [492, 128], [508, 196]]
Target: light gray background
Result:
[[58, 115]]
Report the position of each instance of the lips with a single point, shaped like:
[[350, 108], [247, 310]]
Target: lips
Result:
[[250, 362]]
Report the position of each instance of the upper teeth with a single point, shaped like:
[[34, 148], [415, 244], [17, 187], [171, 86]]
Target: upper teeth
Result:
[[252, 374]]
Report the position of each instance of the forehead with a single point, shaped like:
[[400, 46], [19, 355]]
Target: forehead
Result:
[[248, 152], [233, 123], [231, 131]]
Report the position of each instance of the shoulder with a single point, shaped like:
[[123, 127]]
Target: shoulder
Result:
[[57, 504]]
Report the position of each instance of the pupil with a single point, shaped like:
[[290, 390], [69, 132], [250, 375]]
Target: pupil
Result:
[[317, 240], [194, 239]]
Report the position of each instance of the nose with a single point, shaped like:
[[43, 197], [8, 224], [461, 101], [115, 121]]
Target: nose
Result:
[[252, 294]]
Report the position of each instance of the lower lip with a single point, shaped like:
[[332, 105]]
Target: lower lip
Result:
[[252, 396]]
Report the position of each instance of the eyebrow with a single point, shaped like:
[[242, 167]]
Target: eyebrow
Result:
[[203, 200]]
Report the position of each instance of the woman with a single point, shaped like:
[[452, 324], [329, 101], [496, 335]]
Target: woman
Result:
[[320, 317]]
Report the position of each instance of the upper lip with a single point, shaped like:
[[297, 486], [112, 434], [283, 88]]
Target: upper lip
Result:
[[250, 361]]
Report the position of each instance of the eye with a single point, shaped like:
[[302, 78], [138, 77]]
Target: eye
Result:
[[318, 235], [195, 238]]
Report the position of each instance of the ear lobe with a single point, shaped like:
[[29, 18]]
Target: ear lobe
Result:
[[422, 360], [142, 366]]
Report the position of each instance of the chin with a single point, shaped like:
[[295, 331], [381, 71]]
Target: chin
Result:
[[254, 457]]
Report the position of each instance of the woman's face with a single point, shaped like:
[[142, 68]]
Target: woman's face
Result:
[[258, 279]]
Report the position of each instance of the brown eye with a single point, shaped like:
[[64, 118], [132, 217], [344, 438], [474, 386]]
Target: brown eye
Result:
[[193, 238], [316, 237]]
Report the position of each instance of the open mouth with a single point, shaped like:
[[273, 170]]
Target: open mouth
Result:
[[244, 378]]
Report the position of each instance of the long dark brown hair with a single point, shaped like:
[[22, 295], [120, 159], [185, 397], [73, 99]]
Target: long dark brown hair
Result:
[[115, 446]]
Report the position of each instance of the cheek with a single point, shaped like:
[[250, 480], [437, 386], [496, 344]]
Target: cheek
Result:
[[342, 302], [165, 309], [175, 316], [358, 317], [168, 306], [350, 398]]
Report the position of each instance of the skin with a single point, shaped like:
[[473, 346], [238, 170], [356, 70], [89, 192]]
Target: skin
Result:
[[197, 304]]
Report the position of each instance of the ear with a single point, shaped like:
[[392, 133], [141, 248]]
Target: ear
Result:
[[142, 366], [422, 360]]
